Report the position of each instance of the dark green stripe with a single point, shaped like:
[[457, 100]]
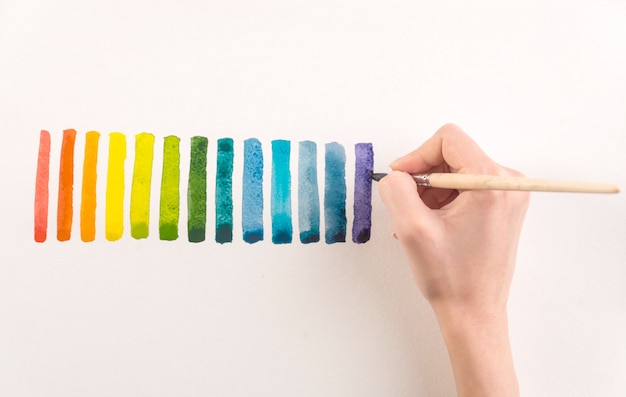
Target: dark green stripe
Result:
[[196, 192]]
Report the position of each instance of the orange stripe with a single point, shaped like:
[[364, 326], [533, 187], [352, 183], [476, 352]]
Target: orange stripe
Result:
[[88, 203], [41, 187], [66, 184]]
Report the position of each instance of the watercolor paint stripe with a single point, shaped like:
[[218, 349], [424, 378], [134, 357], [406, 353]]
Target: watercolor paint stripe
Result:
[[308, 194], [364, 166], [282, 228], [169, 203], [140, 189], [114, 211], [252, 191], [224, 191], [196, 192], [41, 187], [88, 193], [66, 186], [335, 193]]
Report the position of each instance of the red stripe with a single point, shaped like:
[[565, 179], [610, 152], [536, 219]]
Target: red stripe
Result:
[[41, 187]]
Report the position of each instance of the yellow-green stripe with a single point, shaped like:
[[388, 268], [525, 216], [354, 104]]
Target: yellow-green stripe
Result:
[[169, 209], [140, 193]]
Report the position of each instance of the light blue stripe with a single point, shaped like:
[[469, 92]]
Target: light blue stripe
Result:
[[308, 195], [252, 201]]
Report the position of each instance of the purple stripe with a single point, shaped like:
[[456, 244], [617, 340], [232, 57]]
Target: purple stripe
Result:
[[362, 226]]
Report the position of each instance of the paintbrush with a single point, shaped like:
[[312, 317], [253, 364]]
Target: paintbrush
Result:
[[493, 182]]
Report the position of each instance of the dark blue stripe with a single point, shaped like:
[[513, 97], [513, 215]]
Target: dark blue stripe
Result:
[[335, 193]]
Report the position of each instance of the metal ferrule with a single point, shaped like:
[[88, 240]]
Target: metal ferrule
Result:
[[422, 180]]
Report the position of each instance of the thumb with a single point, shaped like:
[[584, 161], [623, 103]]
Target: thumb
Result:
[[410, 216]]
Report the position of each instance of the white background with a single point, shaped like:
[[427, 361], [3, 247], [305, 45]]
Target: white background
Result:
[[541, 85]]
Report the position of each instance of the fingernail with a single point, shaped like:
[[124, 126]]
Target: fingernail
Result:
[[392, 165]]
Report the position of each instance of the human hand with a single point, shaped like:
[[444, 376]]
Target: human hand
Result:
[[461, 246]]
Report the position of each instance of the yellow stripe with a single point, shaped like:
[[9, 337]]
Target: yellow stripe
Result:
[[140, 193], [114, 218]]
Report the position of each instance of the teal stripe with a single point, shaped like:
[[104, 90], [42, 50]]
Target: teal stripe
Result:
[[224, 191], [282, 229]]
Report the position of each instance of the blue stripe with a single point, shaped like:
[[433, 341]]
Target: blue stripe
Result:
[[252, 201], [335, 193], [282, 229], [308, 195]]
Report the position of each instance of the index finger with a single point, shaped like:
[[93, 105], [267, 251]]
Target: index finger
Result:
[[449, 145]]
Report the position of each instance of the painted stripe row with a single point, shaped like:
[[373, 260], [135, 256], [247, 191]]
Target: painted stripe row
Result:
[[309, 189]]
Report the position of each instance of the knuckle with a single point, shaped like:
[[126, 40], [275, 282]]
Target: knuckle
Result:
[[450, 129], [410, 233]]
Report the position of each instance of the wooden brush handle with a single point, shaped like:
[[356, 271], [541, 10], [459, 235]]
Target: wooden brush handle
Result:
[[492, 182]]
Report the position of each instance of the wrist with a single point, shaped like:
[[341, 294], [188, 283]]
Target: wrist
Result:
[[479, 349], [467, 315]]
